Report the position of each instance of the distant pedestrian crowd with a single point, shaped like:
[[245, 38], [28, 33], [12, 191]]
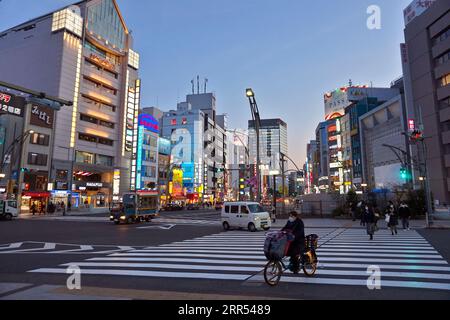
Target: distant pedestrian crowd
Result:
[[39, 208], [371, 215]]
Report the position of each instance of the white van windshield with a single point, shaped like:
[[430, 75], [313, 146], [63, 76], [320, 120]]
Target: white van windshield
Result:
[[255, 208]]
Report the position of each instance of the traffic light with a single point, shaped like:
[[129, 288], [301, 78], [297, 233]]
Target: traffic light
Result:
[[403, 173], [24, 170]]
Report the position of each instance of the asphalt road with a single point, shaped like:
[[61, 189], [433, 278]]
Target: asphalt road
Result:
[[187, 255]]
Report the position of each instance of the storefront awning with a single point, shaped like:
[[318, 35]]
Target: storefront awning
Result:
[[37, 194]]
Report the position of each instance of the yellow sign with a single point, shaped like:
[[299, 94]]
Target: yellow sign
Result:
[[177, 181]]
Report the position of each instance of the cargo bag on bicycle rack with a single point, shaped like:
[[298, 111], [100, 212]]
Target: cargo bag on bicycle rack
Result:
[[277, 245]]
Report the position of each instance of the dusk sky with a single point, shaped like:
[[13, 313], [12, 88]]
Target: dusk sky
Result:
[[289, 51]]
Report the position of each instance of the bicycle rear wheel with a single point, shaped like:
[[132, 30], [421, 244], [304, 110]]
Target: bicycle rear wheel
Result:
[[310, 264], [272, 273]]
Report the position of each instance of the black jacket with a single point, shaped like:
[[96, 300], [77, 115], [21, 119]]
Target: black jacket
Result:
[[368, 216], [298, 230], [404, 212]]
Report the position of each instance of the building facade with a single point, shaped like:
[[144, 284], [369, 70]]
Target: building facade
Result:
[[343, 107], [384, 146], [426, 67], [83, 53], [198, 146]]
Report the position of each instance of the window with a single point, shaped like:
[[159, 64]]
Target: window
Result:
[[84, 157], [97, 103], [105, 160], [227, 209], [443, 58], [37, 159], [87, 137], [149, 156], [244, 210], [95, 139], [87, 118], [445, 80], [442, 36], [40, 139], [255, 208], [106, 124], [62, 174], [234, 209], [105, 141]]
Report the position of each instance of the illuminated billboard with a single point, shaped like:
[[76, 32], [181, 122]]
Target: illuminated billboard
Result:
[[149, 122], [336, 101]]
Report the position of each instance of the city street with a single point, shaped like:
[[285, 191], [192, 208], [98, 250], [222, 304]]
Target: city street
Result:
[[186, 255]]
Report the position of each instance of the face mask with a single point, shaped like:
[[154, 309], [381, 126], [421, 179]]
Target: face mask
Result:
[[291, 219]]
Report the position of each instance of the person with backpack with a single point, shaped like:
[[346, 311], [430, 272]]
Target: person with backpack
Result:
[[404, 214], [295, 226]]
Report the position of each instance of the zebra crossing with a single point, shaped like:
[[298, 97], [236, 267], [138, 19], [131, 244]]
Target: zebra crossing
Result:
[[405, 261]]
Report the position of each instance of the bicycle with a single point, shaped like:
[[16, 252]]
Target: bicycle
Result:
[[307, 261]]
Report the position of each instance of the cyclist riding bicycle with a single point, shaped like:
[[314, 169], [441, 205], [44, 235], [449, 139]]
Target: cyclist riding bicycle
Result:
[[297, 228]]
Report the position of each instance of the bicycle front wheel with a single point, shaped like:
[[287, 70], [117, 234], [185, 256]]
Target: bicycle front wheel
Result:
[[310, 264], [273, 272]]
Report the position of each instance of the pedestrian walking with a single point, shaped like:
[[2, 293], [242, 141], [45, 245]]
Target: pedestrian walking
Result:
[[63, 208], [353, 210], [42, 209], [377, 217], [69, 206], [404, 214], [392, 218], [369, 219], [361, 207], [33, 208]]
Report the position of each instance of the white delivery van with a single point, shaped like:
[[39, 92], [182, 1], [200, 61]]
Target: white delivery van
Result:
[[248, 215], [8, 209]]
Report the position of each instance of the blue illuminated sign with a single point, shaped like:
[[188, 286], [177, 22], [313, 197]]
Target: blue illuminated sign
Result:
[[149, 122], [139, 158]]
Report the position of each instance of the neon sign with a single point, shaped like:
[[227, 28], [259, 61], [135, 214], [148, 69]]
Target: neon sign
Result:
[[149, 123]]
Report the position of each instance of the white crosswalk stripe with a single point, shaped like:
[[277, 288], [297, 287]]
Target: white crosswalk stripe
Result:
[[406, 260]]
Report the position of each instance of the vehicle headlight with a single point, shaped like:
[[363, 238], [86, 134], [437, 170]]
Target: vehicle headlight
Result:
[[111, 217], [257, 218], [122, 218]]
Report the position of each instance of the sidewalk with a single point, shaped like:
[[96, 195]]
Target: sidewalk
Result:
[[348, 223]]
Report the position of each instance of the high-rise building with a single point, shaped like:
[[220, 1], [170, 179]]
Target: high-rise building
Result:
[[273, 142], [198, 145], [426, 68], [83, 53]]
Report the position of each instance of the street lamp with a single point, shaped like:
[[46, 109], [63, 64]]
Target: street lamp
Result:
[[257, 120]]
